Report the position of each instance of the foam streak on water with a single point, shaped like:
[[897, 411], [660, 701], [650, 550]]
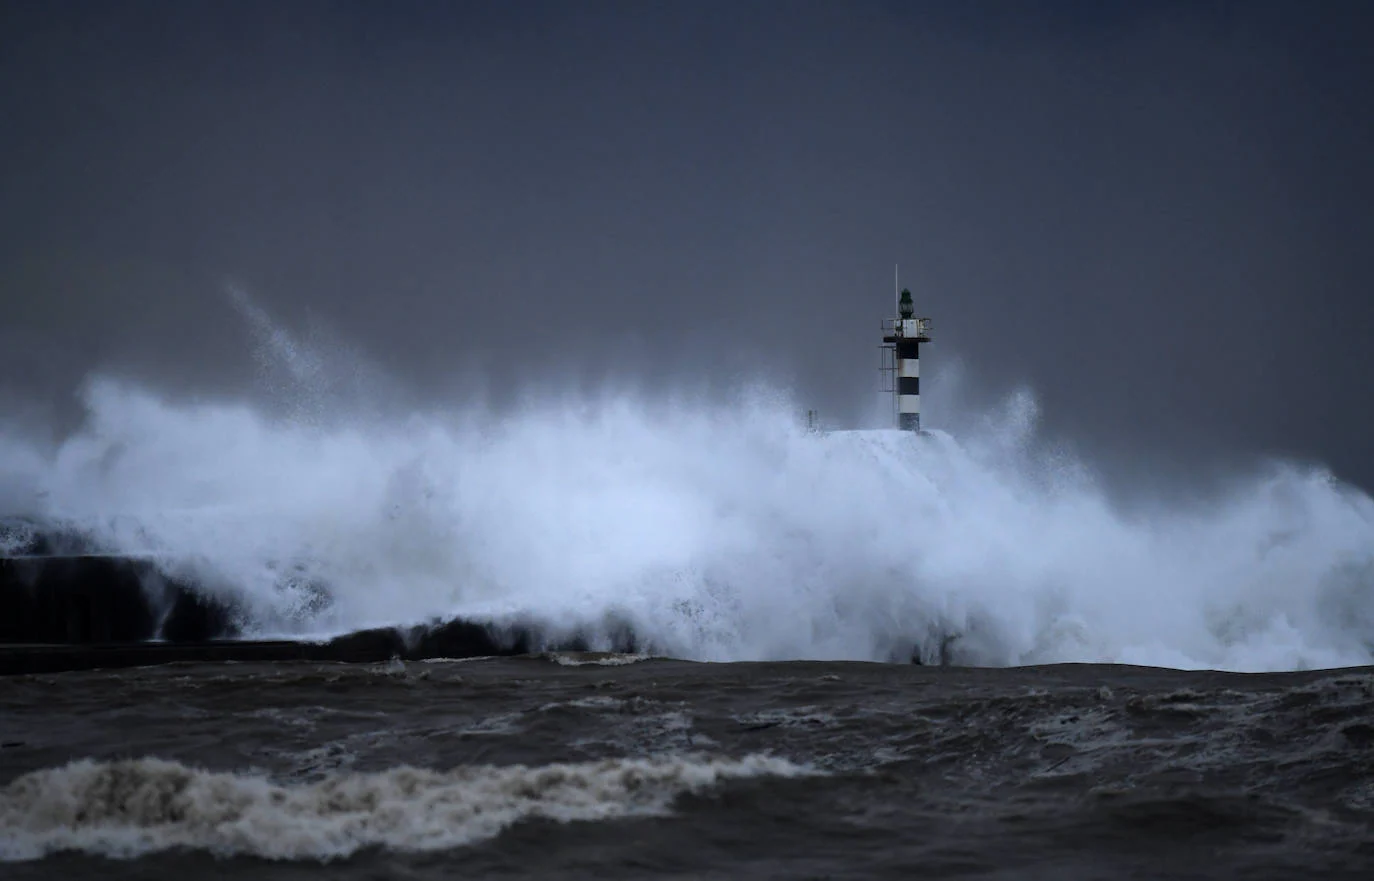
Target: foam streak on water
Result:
[[716, 531], [129, 808]]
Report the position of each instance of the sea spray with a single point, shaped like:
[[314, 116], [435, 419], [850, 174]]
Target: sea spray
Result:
[[718, 530]]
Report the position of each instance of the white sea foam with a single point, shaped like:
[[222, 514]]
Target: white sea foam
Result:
[[717, 531], [129, 808], [595, 659]]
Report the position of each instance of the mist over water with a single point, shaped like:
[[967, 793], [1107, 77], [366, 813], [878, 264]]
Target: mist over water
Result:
[[715, 530]]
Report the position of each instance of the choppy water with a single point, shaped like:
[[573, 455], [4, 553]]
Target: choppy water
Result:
[[613, 766]]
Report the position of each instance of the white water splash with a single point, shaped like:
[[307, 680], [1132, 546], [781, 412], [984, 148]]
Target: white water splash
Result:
[[715, 531]]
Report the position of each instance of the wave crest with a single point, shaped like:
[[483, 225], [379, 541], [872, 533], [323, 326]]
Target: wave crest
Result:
[[126, 809]]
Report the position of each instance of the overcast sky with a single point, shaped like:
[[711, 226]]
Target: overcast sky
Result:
[[1157, 216]]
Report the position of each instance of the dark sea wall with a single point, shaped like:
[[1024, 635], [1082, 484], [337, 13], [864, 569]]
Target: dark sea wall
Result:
[[64, 606], [87, 611], [93, 599]]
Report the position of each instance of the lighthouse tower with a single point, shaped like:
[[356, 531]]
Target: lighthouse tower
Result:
[[902, 338]]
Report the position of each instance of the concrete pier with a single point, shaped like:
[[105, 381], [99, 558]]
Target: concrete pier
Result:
[[93, 599], [93, 611]]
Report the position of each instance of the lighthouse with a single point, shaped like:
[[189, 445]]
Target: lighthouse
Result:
[[902, 338]]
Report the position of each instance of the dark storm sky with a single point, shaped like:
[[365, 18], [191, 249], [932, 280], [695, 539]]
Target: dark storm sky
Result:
[[1155, 215]]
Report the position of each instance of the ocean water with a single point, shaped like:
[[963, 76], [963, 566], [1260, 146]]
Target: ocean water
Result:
[[594, 766]]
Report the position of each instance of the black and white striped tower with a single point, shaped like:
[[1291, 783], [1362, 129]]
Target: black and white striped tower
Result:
[[905, 335]]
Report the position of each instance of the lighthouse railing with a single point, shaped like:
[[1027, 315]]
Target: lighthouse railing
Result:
[[896, 327]]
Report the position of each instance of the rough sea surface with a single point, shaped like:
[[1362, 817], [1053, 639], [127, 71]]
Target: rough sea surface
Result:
[[613, 766]]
